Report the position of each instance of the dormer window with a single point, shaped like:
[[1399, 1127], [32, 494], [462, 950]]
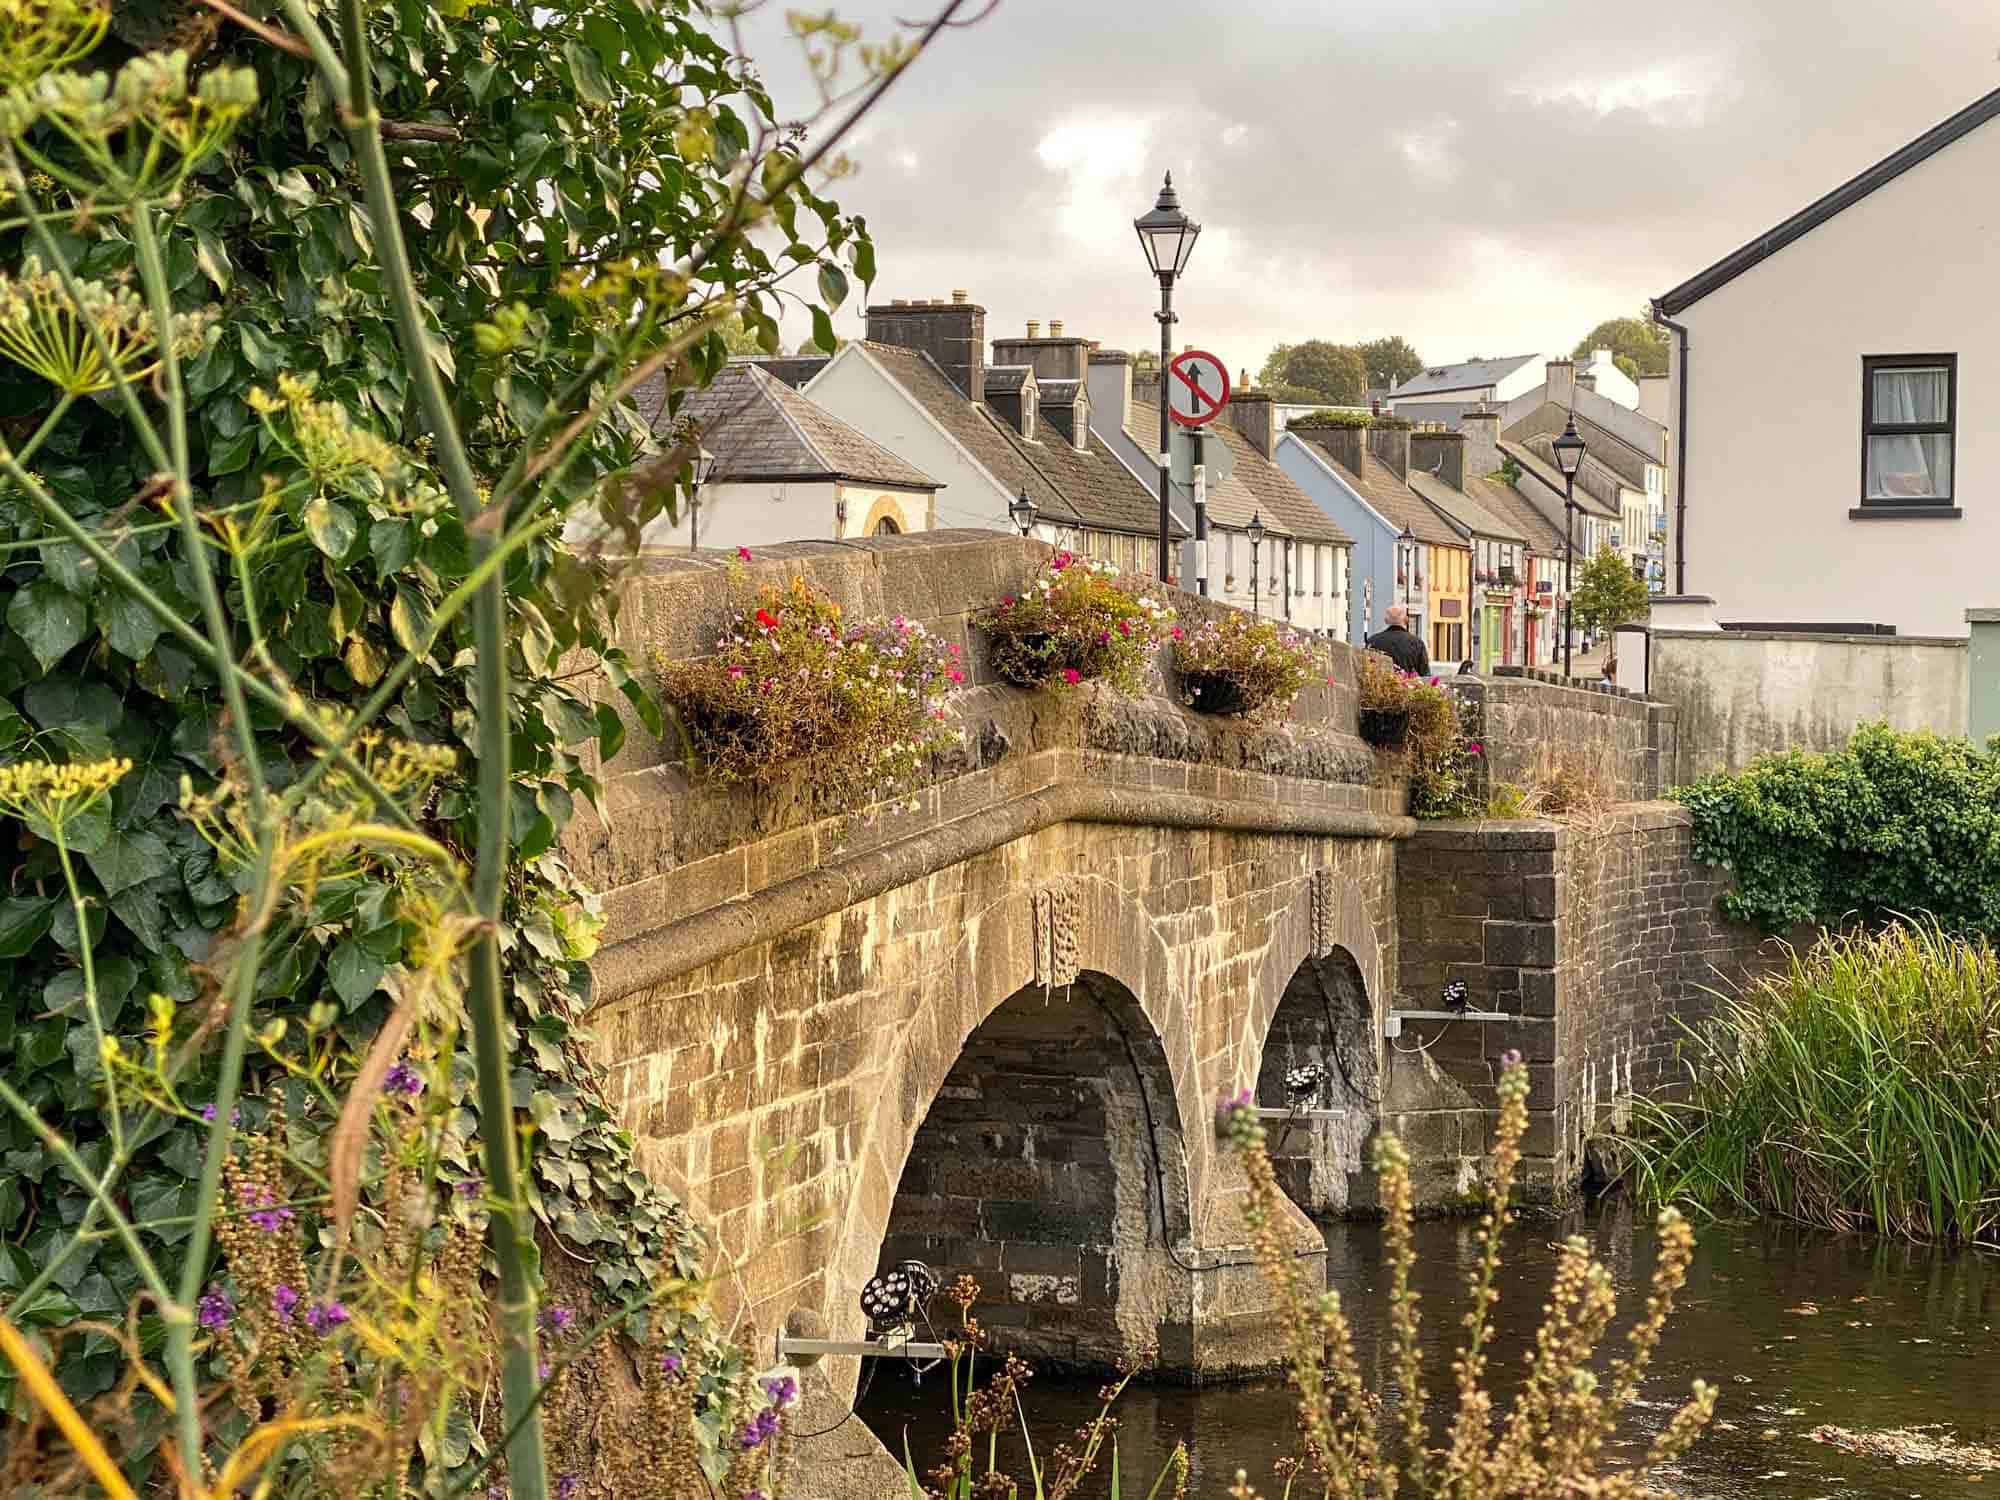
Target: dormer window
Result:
[[1080, 423], [1030, 400]]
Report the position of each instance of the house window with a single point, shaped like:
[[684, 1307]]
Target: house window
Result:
[[1909, 406], [1080, 415]]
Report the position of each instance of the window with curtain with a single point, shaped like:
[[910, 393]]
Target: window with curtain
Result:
[[1909, 405]]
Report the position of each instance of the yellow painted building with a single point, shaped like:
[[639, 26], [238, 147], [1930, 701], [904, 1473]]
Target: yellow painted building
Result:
[[1448, 604]]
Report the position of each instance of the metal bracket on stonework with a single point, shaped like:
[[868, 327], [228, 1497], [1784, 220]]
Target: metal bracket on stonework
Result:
[[894, 1344], [1392, 1024], [1057, 905], [1273, 1112]]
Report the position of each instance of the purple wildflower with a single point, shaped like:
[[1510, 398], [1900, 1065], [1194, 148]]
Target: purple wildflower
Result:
[[671, 1363], [469, 1187], [283, 1300], [208, 1114], [1511, 1058], [214, 1310], [566, 1486], [1233, 1102], [542, 1371], [557, 1319], [759, 1430], [268, 1214], [323, 1317], [782, 1389], [403, 1079]]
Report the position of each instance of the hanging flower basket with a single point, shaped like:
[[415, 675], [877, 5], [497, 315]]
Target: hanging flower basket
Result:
[[1240, 664], [1077, 621], [1384, 728]]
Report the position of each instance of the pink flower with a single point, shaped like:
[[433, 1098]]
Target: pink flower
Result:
[[1072, 676], [1124, 627], [1475, 748], [955, 675], [735, 671], [1179, 634], [743, 553], [953, 648], [1434, 682], [1061, 560]]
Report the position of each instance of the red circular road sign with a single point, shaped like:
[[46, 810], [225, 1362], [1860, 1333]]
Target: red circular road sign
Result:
[[1197, 388]]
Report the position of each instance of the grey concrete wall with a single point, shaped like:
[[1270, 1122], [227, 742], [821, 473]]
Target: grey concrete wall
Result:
[[1522, 716], [1745, 693]]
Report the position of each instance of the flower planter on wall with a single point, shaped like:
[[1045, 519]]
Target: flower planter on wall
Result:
[[1385, 728], [1214, 693]]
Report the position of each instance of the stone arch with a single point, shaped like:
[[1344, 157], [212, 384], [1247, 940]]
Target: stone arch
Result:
[[993, 959], [1344, 923], [885, 518], [1051, 1166], [1325, 1017]]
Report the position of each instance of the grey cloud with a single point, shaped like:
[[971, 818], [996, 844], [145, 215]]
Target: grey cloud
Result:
[[1533, 215]]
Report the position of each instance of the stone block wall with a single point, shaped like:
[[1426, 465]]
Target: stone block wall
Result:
[[1526, 719], [1597, 940]]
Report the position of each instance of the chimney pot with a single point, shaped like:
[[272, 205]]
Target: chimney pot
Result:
[[899, 301], [1034, 328], [960, 296], [1055, 328]]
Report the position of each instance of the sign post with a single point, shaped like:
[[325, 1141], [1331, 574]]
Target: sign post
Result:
[[1189, 403]]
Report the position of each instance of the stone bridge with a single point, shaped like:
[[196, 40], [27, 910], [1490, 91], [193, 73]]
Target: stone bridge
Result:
[[987, 1025]]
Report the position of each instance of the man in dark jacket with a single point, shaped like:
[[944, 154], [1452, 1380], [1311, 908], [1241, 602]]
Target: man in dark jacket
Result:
[[1395, 642]]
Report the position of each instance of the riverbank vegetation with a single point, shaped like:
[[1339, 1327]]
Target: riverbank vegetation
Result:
[[1893, 824], [1857, 1089]]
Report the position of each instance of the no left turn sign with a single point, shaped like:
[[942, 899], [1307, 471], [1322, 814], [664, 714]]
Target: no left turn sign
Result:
[[1197, 388]]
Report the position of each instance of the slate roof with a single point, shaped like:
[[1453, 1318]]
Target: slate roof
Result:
[[1472, 375], [1084, 489], [1464, 507], [1541, 534], [1394, 500], [1257, 487], [794, 369], [1670, 304], [759, 428], [1621, 457], [1551, 479]]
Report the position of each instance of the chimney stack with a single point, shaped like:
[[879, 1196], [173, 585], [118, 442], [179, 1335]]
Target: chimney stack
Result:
[[1252, 414], [1437, 451], [1034, 328], [1392, 446], [1482, 441], [1560, 377], [1109, 381], [1587, 381], [952, 333], [1055, 328]]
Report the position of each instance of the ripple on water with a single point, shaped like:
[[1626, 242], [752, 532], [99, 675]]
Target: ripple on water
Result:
[[1799, 1330]]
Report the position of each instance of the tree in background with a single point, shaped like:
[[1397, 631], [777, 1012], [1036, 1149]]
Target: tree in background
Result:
[[1317, 370], [1390, 361], [1607, 595], [1638, 345]]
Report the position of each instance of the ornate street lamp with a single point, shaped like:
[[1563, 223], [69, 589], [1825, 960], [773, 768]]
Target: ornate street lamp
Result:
[[1255, 531], [1406, 563], [1023, 512], [1569, 451], [700, 473], [1167, 236]]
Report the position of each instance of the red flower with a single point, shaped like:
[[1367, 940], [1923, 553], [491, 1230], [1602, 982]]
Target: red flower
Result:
[[767, 619], [1072, 676], [1124, 627], [743, 553], [1180, 634], [1061, 560]]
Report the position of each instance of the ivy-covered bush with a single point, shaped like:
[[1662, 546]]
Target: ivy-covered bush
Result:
[[1892, 824], [1444, 771], [792, 690], [1244, 665], [541, 165], [1077, 621]]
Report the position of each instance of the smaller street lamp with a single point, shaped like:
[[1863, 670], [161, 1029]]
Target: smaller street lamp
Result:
[[1406, 564], [1023, 512], [1569, 450], [1255, 531]]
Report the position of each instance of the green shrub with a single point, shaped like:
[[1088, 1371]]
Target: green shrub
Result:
[[1894, 824], [1858, 1089]]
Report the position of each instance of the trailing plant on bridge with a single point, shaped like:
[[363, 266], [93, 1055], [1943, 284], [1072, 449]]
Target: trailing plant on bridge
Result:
[[1077, 621], [1445, 780], [1240, 664], [1893, 824], [792, 690], [1853, 1090], [280, 719], [1552, 1440]]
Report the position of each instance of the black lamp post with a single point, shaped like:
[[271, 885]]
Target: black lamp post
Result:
[[1406, 564], [701, 472], [1167, 236], [1569, 458], [1023, 512], [1255, 531]]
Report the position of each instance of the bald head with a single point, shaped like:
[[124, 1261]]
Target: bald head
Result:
[[1398, 615]]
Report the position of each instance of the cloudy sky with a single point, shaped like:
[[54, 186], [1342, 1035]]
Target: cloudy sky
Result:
[[1482, 177]]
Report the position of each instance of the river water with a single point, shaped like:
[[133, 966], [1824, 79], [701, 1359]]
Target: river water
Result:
[[1796, 1328]]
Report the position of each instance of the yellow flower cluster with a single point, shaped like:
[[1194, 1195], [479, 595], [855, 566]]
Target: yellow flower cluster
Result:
[[38, 36], [324, 436], [44, 329], [55, 792]]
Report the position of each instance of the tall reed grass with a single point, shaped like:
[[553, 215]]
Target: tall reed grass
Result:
[[1859, 1089]]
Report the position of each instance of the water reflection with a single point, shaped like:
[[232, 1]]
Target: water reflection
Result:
[[1900, 1337]]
